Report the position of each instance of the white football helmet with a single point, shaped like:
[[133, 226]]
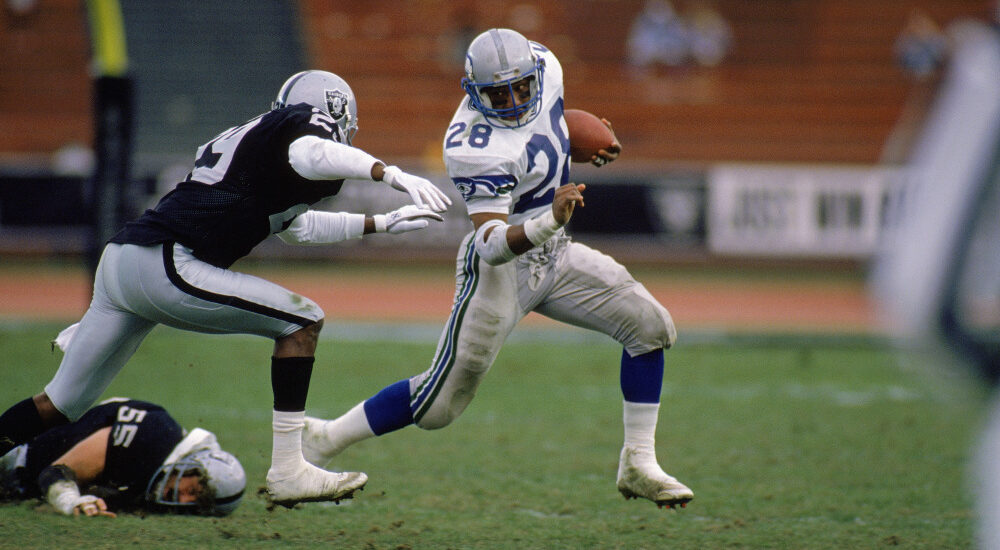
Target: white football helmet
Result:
[[325, 91], [502, 57], [221, 475]]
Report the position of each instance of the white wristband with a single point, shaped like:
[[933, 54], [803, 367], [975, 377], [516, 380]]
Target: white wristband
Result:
[[390, 173], [379, 223], [541, 228]]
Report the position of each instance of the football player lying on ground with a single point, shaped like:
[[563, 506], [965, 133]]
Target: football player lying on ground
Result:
[[124, 455], [506, 150], [171, 266]]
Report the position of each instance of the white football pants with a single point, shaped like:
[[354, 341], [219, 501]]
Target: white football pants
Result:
[[138, 287], [566, 281]]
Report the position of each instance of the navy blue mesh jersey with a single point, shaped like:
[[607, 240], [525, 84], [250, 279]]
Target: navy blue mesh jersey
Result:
[[142, 436], [241, 189]]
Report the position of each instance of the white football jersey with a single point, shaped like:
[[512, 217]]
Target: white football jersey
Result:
[[513, 171]]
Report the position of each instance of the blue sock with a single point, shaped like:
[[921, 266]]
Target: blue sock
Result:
[[389, 409], [642, 377]]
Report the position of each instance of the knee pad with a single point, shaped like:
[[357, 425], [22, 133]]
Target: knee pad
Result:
[[434, 420], [456, 394], [443, 413], [654, 327]]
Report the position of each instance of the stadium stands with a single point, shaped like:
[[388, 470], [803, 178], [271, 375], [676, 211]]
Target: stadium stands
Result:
[[812, 81], [805, 81], [45, 93]]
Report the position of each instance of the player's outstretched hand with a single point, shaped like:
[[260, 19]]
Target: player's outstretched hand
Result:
[[407, 218], [608, 154], [422, 191], [92, 506], [565, 200]]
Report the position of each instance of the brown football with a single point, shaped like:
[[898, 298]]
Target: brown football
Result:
[[587, 135]]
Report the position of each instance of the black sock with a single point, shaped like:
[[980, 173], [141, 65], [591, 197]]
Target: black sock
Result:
[[19, 424], [290, 382]]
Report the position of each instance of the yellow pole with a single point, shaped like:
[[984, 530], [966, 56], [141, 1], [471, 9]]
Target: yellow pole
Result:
[[107, 31]]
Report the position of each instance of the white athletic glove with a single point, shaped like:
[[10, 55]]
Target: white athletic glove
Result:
[[422, 191], [407, 218]]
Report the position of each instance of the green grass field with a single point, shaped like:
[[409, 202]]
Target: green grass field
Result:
[[787, 443]]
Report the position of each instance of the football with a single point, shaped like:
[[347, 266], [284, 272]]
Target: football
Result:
[[587, 134]]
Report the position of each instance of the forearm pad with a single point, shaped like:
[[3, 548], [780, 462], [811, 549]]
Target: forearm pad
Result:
[[494, 249], [318, 227]]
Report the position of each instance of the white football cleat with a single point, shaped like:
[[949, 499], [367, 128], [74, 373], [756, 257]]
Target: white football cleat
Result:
[[639, 476], [316, 447], [312, 484]]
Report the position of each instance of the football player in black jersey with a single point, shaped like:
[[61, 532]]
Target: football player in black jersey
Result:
[[124, 455], [171, 266]]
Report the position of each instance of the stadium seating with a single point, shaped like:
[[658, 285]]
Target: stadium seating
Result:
[[45, 94], [809, 81], [805, 81]]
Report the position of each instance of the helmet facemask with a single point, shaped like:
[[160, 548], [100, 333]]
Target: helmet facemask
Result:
[[218, 474], [513, 116]]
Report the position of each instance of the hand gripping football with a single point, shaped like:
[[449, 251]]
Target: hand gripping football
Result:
[[587, 135]]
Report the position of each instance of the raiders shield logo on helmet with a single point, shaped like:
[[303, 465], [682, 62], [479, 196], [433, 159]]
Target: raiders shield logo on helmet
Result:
[[336, 103]]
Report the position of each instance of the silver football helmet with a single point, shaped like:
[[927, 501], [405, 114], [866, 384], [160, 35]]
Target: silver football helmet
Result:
[[325, 91], [498, 58], [221, 476]]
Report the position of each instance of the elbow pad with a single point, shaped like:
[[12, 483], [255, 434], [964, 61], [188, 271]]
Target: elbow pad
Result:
[[494, 249], [316, 227]]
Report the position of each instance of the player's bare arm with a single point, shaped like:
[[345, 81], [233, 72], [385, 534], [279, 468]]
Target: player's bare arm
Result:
[[87, 457], [86, 461]]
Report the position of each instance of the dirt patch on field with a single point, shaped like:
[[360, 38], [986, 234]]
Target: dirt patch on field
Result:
[[401, 294]]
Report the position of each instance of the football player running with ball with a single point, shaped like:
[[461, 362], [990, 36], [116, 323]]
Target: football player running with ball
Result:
[[171, 266], [507, 151]]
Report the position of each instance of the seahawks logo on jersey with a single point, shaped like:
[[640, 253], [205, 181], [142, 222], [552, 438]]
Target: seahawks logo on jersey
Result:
[[485, 186], [336, 103]]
